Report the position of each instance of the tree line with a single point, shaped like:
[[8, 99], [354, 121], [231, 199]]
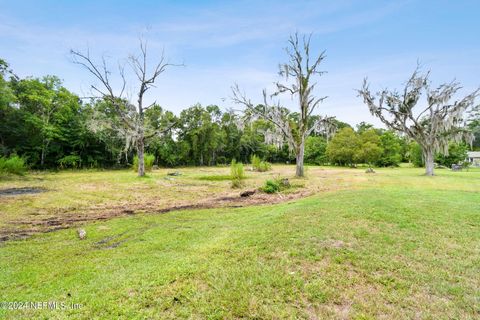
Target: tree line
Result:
[[51, 127]]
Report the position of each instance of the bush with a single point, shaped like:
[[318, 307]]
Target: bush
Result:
[[148, 158], [71, 161], [236, 183], [271, 186], [457, 153], [12, 165], [255, 160], [237, 174], [260, 165], [415, 154], [264, 166], [276, 185]]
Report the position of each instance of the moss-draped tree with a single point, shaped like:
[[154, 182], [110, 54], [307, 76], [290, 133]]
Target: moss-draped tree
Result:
[[434, 123]]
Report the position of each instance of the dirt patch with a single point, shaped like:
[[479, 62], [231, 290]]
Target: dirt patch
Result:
[[62, 219], [20, 191]]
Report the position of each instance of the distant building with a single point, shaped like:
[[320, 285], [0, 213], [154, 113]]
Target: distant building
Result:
[[474, 158]]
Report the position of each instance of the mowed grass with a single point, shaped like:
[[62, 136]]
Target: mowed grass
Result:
[[393, 245]]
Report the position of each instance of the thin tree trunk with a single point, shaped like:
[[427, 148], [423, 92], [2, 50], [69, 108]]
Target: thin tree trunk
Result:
[[141, 157], [44, 153], [42, 158], [299, 159], [428, 158]]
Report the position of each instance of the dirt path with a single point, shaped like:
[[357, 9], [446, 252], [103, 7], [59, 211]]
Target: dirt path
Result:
[[20, 229]]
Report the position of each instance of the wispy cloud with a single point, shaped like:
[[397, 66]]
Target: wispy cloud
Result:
[[240, 42]]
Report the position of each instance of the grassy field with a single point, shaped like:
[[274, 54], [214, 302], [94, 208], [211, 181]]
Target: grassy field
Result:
[[390, 245]]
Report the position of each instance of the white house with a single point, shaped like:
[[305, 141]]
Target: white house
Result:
[[474, 158]]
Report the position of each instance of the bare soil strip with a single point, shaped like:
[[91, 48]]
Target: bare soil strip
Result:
[[21, 229], [20, 191]]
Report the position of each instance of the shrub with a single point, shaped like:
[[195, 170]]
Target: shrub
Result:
[[264, 166], [148, 158], [457, 153], [275, 185], [236, 183], [255, 161], [260, 165], [415, 154], [71, 161], [237, 174], [271, 186], [12, 165]]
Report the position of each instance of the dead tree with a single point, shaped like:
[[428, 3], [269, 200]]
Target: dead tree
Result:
[[432, 124], [131, 114], [302, 68]]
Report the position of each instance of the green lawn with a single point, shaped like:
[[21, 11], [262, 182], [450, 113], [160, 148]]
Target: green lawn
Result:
[[393, 245]]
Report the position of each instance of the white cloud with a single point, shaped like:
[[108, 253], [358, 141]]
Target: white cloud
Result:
[[231, 43]]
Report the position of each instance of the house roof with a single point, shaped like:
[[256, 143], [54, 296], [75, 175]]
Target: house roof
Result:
[[473, 154]]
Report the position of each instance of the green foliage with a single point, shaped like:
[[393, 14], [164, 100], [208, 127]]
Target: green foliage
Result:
[[343, 147], [315, 150], [71, 161], [457, 153], [12, 165], [44, 122], [392, 150], [271, 186], [370, 153], [276, 185], [255, 161], [148, 158], [415, 154], [264, 166], [369, 150], [237, 173], [371, 146], [236, 170], [260, 165]]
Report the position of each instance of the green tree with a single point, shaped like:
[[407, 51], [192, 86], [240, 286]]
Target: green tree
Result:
[[9, 124], [50, 113], [457, 153], [474, 125], [415, 154], [315, 150], [392, 150], [344, 147], [369, 150], [201, 130]]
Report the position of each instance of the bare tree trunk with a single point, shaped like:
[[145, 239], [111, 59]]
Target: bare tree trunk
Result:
[[134, 125], [44, 153], [42, 157], [141, 160], [428, 158], [299, 159]]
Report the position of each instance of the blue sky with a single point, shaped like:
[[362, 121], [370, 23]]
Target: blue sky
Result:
[[227, 42]]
